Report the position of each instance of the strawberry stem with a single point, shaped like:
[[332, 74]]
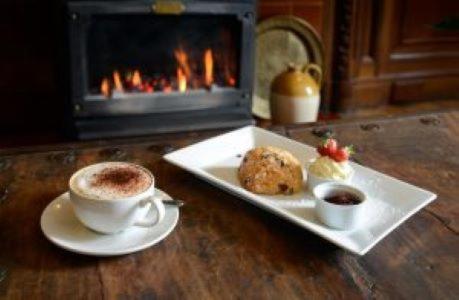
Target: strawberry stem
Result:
[[350, 149]]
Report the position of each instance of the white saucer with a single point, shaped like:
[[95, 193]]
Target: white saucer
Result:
[[60, 225]]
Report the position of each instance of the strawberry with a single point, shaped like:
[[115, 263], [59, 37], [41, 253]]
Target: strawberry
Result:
[[322, 150], [342, 154], [328, 147], [331, 145]]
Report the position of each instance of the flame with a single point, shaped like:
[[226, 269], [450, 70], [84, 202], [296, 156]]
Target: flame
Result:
[[208, 67], [105, 87], [136, 78], [117, 81], [191, 73], [181, 80], [182, 59]]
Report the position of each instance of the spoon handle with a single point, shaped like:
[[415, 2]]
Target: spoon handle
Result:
[[176, 202]]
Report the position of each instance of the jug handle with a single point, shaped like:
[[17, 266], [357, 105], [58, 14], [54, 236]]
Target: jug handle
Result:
[[315, 71]]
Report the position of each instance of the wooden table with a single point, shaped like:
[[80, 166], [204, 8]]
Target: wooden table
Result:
[[225, 248]]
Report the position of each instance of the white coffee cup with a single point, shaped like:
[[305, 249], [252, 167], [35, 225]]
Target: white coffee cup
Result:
[[115, 215]]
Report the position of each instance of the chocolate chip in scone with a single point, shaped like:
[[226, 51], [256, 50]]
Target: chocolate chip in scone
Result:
[[265, 156], [283, 187], [245, 159]]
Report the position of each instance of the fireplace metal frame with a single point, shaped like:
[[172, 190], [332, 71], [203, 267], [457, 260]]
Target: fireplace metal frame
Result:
[[160, 112]]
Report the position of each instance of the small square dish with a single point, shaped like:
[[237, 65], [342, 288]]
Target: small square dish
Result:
[[391, 201]]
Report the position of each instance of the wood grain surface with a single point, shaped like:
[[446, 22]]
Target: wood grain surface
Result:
[[225, 248]]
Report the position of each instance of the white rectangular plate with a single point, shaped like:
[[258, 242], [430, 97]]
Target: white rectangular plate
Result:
[[391, 201]]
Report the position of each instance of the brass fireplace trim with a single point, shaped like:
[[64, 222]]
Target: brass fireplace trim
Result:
[[162, 7]]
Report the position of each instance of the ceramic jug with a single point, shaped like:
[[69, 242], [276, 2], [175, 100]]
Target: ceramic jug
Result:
[[295, 94]]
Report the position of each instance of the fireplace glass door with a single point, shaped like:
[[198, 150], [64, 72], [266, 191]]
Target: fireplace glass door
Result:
[[142, 56]]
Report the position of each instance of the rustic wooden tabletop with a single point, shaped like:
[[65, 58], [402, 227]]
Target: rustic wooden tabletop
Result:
[[225, 248]]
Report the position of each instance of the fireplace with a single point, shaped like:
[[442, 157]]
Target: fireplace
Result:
[[140, 67]]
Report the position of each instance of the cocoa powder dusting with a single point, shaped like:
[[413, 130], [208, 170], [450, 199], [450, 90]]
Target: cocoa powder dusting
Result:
[[125, 180]]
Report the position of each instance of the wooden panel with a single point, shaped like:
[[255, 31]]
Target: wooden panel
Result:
[[420, 18], [368, 93], [432, 89], [312, 13], [393, 42], [310, 10], [271, 9], [413, 39]]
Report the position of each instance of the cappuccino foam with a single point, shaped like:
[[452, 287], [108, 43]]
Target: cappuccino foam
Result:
[[111, 181]]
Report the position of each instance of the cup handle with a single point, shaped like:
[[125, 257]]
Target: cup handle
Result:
[[156, 204]]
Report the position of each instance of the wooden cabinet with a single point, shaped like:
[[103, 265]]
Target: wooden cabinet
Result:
[[395, 51]]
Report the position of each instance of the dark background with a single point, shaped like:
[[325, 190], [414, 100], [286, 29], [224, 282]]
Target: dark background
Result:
[[29, 51]]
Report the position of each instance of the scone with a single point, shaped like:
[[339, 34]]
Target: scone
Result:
[[270, 170]]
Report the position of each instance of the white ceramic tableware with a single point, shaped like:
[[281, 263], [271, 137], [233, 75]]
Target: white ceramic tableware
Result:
[[112, 216], [60, 225], [344, 217], [392, 201]]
